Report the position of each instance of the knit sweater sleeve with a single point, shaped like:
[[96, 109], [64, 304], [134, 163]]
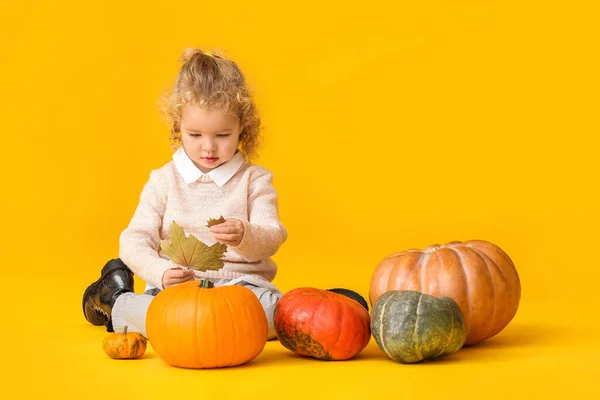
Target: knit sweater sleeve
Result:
[[140, 241], [263, 232]]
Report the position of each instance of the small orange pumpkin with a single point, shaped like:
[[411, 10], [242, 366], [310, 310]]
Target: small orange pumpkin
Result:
[[124, 345], [201, 326], [476, 274]]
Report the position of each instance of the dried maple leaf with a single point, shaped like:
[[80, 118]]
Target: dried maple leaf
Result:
[[212, 221], [191, 252]]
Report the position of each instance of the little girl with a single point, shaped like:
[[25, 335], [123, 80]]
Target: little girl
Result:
[[215, 131]]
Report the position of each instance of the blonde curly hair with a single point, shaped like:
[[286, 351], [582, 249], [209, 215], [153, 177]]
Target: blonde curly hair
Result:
[[213, 82]]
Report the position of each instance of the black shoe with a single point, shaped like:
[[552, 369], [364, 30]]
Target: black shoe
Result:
[[99, 298], [351, 294]]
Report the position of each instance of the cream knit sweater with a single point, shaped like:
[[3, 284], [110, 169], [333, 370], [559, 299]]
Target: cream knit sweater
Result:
[[180, 192]]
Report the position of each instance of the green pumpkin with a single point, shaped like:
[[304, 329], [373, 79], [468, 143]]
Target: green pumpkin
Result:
[[410, 326]]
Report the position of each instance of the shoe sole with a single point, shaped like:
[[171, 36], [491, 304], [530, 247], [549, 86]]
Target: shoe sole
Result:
[[90, 312]]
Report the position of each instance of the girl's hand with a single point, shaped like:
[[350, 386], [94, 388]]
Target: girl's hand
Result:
[[174, 276], [229, 232]]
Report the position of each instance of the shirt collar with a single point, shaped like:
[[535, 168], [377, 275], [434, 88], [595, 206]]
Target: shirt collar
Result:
[[220, 175]]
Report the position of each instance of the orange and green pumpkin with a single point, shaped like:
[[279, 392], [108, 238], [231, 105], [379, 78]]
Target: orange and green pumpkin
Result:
[[201, 326], [477, 275], [124, 345], [322, 324]]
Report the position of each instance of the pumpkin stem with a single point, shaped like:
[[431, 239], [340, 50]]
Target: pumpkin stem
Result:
[[206, 284], [125, 330]]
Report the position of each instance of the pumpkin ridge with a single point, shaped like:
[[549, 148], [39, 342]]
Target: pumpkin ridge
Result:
[[315, 294], [252, 331], [414, 271], [482, 245], [234, 351], [424, 262], [440, 268], [485, 258], [284, 338], [496, 265], [449, 337], [165, 346], [135, 347], [215, 326], [400, 253], [341, 318], [315, 313], [478, 243], [383, 307], [466, 280], [415, 333], [390, 282], [196, 350], [284, 317], [514, 291], [395, 257]]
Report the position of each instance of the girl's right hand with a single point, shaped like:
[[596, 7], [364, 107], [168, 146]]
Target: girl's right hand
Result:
[[175, 276]]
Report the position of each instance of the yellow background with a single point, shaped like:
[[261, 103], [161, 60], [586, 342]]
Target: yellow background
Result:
[[388, 125]]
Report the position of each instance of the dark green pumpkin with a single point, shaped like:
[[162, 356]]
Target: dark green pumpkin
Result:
[[410, 326]]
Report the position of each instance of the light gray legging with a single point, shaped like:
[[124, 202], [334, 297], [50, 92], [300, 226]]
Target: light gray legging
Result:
[[130, 309]]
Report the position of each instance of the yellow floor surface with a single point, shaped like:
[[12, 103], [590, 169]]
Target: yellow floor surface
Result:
[[59, 355]]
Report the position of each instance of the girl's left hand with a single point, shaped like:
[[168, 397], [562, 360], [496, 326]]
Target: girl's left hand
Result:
[[229, 232]]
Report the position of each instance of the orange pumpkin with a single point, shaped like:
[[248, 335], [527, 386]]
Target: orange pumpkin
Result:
[[201, 326], [476, 274], [124, 345], [322, 324]]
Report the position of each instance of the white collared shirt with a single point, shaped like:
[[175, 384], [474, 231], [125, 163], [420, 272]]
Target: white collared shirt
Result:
[[220, 175]]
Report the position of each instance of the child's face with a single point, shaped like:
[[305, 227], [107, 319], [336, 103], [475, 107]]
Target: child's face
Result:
[[209, 138]]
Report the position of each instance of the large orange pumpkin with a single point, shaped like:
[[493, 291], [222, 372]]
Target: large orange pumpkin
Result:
[[476, 274], [206, 327], [322, 324]]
